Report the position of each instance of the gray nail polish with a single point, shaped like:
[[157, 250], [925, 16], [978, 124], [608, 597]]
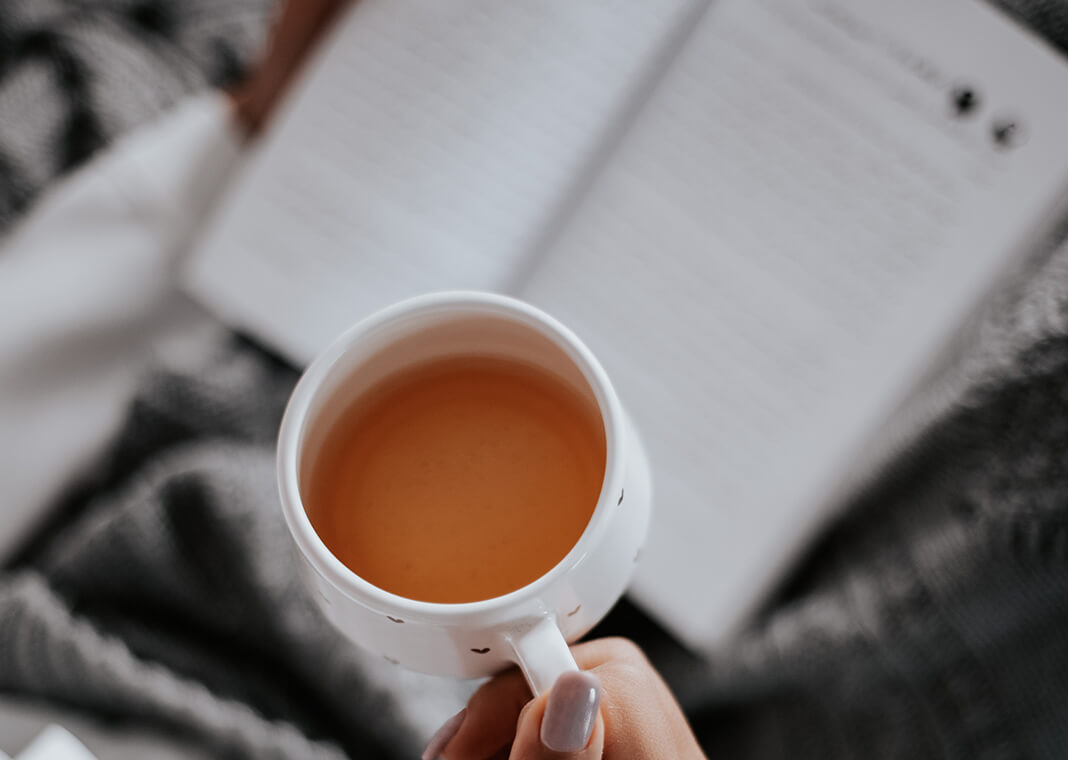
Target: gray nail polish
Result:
[[571, 712], [443, 735]]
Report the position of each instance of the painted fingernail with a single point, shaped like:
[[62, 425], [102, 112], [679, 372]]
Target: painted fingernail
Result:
[[443, 735], [571, 711]]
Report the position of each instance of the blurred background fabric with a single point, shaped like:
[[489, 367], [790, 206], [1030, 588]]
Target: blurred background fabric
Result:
[[174, 596], [75, 74], [928, 622]]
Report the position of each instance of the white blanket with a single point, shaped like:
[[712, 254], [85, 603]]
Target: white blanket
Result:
[[87, 297]]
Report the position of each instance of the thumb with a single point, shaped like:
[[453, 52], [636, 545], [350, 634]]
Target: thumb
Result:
[[565, 723]]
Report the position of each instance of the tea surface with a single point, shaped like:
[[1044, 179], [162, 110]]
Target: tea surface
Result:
[[458, 480]]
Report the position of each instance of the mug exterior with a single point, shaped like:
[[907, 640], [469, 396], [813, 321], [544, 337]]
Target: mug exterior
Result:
[[527, 626]]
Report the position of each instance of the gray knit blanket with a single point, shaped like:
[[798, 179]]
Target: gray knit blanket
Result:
[[930, 621]]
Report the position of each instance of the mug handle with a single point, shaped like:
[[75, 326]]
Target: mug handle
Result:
[[542, 653]]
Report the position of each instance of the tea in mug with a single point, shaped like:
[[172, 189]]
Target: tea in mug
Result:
[[459, 479]]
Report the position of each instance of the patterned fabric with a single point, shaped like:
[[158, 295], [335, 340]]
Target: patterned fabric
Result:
[[76, 73], [173, 598], [931, 621]]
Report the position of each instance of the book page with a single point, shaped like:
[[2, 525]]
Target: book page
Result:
[[810, 204], [427, 148]]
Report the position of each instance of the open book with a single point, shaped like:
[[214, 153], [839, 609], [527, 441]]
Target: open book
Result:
[[768, 218]]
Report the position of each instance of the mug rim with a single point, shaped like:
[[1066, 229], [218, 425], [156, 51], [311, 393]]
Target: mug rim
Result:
[[294, 425]]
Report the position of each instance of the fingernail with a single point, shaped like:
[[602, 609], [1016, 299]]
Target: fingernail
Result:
[[571, 711], [442, 736]]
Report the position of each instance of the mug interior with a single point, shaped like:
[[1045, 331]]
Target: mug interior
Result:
[[368, 356]]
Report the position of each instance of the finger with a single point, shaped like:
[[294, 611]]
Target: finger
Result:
[[640, 714], [489, 722], [593, 654], [565, 723], [442, 736]]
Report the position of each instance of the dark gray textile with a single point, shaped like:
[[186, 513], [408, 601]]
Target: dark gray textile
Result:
[[931, 621], [173, 597]]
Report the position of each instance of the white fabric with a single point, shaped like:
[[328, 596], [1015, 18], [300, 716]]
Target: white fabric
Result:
[[56, 743], [87, 296]]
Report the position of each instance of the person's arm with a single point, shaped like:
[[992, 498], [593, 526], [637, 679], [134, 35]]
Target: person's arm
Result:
[[299, 25], [617, 708]]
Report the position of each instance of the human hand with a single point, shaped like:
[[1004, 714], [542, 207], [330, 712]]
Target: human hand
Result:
[[638, 718], [297, 28]]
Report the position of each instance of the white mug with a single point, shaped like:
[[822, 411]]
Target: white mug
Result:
[[531, 625]]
